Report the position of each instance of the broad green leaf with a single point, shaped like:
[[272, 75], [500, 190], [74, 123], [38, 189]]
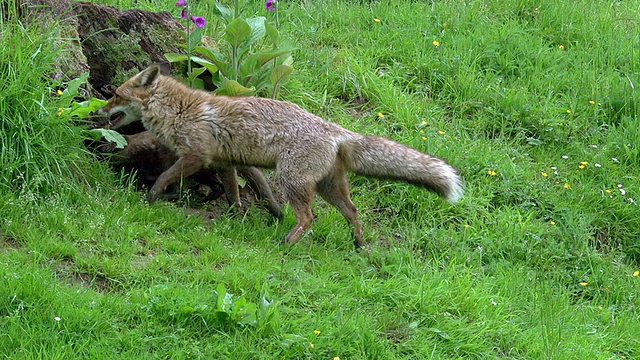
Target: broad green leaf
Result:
[[82, 109], [224, 300], [173, 57], [258, 31], [195, 38], [239, 303], [224, 12], [252, 64], [215, 57], [211, 54], [74, 85], [196, 71], [267, 55], [249, 67], [247, 313], [278, 74], [288, 60], [233, 88], [192, 79], [197, 84], [207, 64], [72, 90], [273, 33], [109, 135], [216, 79], [260, 82], [236, 32]]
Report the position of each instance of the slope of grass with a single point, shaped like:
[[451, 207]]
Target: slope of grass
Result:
[[534, 102]]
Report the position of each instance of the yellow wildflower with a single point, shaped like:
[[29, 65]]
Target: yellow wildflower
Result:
[[567, 186], [336, 358], [608, 191], [60, 92], [580, 167], [592, 102], [60, 111], [376, 20], [583, 163], [316, 332], [636, 273], [491, 173], [544, 174], [561, 47], [436, 43], [424, 123], [583, 283], [380, 114], [441, 132], [552, 222], [569, 111], [424, 138], [311, 345]]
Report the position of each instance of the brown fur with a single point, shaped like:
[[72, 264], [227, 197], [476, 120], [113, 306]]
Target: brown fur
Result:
[[310, 154]]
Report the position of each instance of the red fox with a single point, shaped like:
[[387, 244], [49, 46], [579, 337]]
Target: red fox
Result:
[[309, 154]]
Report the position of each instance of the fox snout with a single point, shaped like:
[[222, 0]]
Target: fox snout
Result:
[[120, 112]]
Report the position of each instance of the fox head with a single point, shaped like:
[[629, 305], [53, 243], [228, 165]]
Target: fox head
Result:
[[125, 106]]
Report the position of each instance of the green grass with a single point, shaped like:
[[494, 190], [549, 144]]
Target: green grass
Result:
[[527, 266]]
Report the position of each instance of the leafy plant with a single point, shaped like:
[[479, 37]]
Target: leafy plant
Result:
[[233, 310], [193, 38], [68, 106], [245, 67]]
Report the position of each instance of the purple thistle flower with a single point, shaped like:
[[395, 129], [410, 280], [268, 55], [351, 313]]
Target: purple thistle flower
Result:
[[180, 3], [270, 5], [199, 21], [183, 14]]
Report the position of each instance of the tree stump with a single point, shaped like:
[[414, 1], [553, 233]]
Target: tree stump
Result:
[[112, 44]]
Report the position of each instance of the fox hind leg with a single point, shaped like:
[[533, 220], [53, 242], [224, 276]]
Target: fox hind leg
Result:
[[300, 174], [334, 188], [298, 189], [263, 190], [300, 200]]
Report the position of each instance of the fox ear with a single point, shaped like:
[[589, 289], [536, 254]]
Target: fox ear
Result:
[[165, 68], [149, 76]]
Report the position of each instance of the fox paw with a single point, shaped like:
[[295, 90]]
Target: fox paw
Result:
[[150, 197]]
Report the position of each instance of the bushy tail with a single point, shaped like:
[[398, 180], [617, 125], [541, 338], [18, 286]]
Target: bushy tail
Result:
[[386, 159]]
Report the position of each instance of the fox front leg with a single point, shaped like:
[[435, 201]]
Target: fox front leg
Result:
[[185, 166], [229, 178]]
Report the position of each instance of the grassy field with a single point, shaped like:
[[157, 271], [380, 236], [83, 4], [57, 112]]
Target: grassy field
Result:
[[535, 102]]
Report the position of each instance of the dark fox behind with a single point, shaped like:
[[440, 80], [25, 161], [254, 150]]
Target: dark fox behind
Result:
[[309, 154], [149, 158]]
